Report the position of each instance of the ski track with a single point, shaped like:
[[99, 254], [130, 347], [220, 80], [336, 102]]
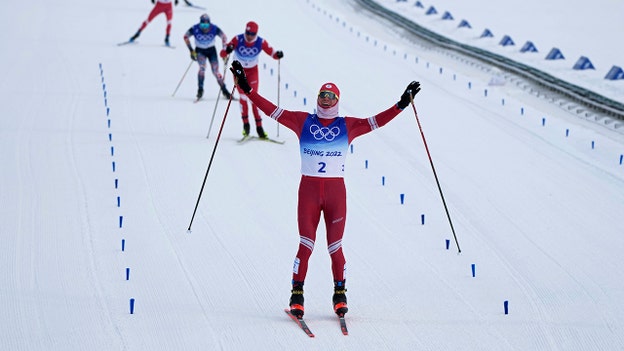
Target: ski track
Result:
[[223, 286]]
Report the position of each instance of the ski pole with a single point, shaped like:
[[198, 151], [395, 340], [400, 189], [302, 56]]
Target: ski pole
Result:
[[218, 94], [214, 150], [435, 174], [278, 89], [184, 75]]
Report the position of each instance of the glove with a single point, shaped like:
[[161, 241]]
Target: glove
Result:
[[239, 77], [193, 55], [412, 89], [279, 54], [229, 49]]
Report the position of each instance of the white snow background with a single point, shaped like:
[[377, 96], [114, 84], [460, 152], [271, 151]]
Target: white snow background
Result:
[[95, 151]]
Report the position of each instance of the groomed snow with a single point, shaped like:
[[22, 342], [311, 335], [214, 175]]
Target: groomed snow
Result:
[[95, 151]]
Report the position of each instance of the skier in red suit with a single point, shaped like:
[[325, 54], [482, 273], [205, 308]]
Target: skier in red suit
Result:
[[324, 139], [247, 48], [162, 6]]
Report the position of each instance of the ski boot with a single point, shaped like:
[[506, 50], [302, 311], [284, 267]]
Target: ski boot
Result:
[[225, 92], [246, 129], [200, 93], [296, 299], [340, 299], [261, 133], [167, 40], [135, 36]]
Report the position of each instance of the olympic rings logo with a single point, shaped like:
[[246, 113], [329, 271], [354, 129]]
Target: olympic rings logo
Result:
[[205, 37], [245, 51], [320, 133]]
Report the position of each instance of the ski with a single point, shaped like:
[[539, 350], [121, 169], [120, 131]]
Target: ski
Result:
[[189, 4], [343, 325], [245, 139], [126, 42], [204, 99], [269, 140], [300, 322], [136, 42]]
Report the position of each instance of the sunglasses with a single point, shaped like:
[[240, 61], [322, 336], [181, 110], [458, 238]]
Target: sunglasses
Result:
[[327, 94], [251, 34]]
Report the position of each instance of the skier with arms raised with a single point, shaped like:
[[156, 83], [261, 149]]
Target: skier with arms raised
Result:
[[324, 138]]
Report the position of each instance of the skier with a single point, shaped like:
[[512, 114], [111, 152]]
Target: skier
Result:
[[161, 6], [205, 34], [247, 47], [324, 138]]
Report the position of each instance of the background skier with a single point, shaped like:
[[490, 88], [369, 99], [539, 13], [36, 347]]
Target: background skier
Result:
[[161, 6], [205, 34], [247, 47]]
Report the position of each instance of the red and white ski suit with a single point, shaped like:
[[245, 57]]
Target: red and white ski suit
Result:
[[323, 146], [248, 53], [162, 6]]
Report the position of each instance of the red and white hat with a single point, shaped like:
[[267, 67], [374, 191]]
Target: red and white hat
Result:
[[251, 27], [331, 87]]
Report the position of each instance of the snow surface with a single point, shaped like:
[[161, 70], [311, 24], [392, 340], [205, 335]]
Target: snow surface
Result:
[[578, 29], [95, 151]]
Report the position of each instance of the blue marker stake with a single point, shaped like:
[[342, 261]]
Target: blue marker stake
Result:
[[123, 244], [351, 146], [116, 183], [506, 306], [120, 221], [107, 113], [131, 306], [110, 137], [127, 273], [621, 158], [422, 219], [108, 122], [383, 180], [473, 269], [593, 144], [567, 132], [113, 166], [522, 111], [543, 121], [304, 101], [448, 243], [118, 201], [366, 164], [402, 196], [112, 151]]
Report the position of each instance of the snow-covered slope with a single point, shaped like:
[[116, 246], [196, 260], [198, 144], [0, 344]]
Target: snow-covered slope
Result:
[[95, 152]]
